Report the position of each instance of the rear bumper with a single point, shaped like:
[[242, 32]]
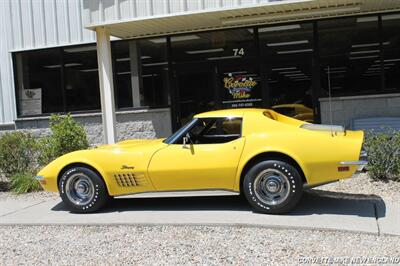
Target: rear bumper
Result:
[[360, 163]]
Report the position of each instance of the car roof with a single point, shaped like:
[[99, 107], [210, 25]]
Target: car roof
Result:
[[228, 112]]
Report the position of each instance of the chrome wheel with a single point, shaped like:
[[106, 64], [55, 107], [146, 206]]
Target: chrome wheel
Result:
[[271, 187], [79, 189]]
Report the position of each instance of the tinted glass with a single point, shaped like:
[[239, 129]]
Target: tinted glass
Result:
[[215, 130], [141, 73], [38, 82], [81, 78], [350, 49], [287, 53], [391, 41]]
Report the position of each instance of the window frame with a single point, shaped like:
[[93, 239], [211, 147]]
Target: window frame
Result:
[[174, 138]]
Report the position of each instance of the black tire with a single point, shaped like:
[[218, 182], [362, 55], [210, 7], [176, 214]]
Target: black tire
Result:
[[264, 178], [91, 194]]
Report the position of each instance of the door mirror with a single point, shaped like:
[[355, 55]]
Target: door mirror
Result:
[[186, 140]]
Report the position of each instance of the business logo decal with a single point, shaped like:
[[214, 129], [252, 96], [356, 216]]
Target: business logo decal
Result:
[[238, 86], [30, 93]]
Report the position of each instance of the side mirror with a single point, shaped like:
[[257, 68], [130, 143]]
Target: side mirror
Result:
[[186, 141]]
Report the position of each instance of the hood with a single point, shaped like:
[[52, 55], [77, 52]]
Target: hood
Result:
[[130, 143]]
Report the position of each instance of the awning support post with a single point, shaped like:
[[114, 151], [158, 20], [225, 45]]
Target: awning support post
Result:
[[106, 84]]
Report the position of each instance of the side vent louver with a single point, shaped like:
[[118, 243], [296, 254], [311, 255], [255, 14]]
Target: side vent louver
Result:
[[126, 180]]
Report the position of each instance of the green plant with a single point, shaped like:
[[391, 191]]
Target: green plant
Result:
[[18, 153], [383, 155], [24, 183], [67, 136]]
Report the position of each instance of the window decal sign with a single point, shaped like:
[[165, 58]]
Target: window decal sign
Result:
[[241, 90], [31, 101]]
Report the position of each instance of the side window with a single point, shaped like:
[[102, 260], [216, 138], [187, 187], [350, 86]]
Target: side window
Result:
[[288, 111], [216, 130]]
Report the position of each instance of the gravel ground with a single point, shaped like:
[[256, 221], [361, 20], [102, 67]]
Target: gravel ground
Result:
[[363, 185], [28, 196], [167, 245]]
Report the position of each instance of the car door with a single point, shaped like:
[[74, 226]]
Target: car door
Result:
[[208, 161]]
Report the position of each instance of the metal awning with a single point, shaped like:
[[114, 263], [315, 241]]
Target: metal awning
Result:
[[267, 13]]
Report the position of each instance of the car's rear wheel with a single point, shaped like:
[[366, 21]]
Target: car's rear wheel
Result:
[[82, 190], [273, 187]]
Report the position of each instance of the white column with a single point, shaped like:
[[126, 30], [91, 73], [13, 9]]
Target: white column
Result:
[[135, 72], [106, 84]]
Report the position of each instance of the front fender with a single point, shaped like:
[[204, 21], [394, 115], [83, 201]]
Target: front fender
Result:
[[51, 171]]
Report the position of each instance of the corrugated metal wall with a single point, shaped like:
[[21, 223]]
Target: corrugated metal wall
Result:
[[101, 11], [32, 24]]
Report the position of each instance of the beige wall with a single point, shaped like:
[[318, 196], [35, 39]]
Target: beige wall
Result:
[[344, 109]]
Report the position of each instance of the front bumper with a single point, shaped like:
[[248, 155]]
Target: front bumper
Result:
[[48, 184]]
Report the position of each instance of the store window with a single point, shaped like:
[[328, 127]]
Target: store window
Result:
[[286, 54], [141, 73], [350, 51], [81, 79], [38, 82], [57, 80], [215, 70], [391, 62]]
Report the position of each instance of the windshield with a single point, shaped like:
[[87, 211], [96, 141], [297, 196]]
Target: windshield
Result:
[[171, 139]]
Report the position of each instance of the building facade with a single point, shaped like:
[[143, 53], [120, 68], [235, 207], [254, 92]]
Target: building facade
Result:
[[171, 59]]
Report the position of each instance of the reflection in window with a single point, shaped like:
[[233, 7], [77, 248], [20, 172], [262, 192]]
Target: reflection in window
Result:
[[81, 78], [141, 73], [38, 82], [214, 46], [391, 41], [350, 50], [287, 53], [204, 61]]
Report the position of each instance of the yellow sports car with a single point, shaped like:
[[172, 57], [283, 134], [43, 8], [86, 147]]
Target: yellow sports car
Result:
[[295, 110], [268, 157]]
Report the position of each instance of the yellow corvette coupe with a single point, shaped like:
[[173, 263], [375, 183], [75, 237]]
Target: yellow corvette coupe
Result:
[[269, 157]]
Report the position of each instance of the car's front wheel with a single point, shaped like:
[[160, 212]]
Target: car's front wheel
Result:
[[82, 190], [273, 187]]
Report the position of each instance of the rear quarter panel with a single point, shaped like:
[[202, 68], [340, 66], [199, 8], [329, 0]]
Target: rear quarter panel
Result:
[[318, 153]]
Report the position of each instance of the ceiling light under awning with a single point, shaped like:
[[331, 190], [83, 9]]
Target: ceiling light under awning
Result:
[[123, 73], [363, 45], [283, 68], [224, 57], [365, 52], [66, 65], [287, 43], [128, 58], [156, 64], [89, 70], [363, 57], [295, 51], [205, 51]]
